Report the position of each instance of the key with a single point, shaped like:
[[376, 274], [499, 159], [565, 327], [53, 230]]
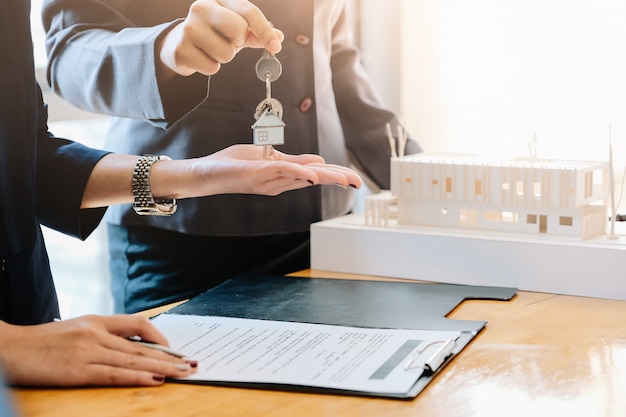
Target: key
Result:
[[268, 69], [269, 103], [268, 66], [273, 105]]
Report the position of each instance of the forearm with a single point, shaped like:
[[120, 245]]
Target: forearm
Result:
[[111, 181], [114, 58], [127, 51], [240, 169]]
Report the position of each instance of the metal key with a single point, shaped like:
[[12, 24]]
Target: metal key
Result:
[[268, 67]]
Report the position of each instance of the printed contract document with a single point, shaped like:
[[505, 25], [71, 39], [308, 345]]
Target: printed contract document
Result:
[[266, 353]]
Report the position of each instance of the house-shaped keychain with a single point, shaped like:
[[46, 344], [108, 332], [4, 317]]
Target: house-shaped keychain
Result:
[[269, 129]]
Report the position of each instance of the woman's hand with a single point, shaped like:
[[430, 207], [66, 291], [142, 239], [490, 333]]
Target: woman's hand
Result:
[[238, 169], [90, 350], [242, 169]]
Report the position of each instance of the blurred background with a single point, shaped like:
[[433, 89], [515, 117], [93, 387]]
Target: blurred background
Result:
[[471, 76]]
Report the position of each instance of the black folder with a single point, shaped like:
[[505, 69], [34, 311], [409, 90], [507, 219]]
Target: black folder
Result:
[[347, 302]]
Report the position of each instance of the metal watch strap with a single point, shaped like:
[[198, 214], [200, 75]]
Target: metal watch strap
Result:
[[145, 204]]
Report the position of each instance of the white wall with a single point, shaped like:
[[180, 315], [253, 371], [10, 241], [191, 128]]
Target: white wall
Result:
[[482, 76], [381, 55]]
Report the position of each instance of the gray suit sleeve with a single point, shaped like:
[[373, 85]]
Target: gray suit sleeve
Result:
[[102, 59]]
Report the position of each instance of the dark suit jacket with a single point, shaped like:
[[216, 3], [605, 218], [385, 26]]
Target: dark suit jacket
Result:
[[42, 178], [102, 59]]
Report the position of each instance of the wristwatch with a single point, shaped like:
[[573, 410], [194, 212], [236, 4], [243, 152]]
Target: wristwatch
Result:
[[145, 204]]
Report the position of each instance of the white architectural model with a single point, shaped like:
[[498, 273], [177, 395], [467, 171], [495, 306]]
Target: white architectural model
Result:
[[538, 225], [559, 198]]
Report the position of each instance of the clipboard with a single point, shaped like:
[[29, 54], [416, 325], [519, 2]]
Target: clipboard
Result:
[[354, 303]]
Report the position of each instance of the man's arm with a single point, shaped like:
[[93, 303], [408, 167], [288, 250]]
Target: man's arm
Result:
[[120, 57], [362, 112]]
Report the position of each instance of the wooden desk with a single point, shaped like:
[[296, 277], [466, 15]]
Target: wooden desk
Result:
[[540, 355]]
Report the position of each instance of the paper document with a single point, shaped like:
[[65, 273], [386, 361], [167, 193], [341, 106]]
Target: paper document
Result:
[[383, 361]]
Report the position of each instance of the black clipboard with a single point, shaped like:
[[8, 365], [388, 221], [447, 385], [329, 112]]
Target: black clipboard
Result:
[[347, 302]]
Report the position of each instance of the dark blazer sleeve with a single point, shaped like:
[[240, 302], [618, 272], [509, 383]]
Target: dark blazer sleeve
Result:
[[101, 57], [362, 112], [63, 168]]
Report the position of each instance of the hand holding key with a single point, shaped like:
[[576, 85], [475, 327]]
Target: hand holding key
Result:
[[269, 127], [212, 34]]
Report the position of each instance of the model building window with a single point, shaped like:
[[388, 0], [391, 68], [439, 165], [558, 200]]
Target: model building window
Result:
[[468, 217], [492, 216], [500, 216], [478, 187], [565, 220], [448, 185], [509, 217], [531, 218]]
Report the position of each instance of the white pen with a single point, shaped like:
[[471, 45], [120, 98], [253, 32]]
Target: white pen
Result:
[[159, 347]]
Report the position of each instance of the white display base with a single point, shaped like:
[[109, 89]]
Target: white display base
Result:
[[593, 268]]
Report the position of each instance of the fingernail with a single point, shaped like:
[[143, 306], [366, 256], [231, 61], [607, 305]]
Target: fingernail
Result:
[[353, 186], [193, 364], [341, 185], [310, 182], [183, 366], [275, 45], [158, 378]]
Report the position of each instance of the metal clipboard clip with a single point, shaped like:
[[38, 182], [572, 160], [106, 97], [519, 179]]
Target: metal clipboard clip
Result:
[[435, 360]]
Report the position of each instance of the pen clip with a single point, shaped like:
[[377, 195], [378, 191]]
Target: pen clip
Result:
[[436, 359]]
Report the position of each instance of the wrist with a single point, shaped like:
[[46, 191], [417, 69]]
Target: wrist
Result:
[[144, 202], [167, 47]]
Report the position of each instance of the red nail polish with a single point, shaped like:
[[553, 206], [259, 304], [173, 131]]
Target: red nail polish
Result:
[[193, 364], [158, 378]]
